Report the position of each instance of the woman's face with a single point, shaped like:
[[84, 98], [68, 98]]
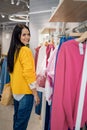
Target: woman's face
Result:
[[25, 36]]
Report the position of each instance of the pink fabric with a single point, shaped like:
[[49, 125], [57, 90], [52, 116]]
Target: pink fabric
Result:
[[41, 80], [67, 86], [50, 76], [36, 55], [48, 50], [51, 66]]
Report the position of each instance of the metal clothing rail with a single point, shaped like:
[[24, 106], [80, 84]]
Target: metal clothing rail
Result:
[[81, 28]]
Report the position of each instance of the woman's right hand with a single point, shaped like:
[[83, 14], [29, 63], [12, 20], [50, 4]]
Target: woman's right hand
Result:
[[36, 97]]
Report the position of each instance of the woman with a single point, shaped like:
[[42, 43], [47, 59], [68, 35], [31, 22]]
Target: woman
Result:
[[21, 67]]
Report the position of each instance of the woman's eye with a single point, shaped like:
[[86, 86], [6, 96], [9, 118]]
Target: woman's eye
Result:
[[24, 34]]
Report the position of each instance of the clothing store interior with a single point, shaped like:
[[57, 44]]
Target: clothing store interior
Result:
[[58, 40]]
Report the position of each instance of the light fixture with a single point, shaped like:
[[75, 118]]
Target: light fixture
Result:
[[12, 2], [19, 17], [18, 2], [27, 5], [39, 12], [2, 15]]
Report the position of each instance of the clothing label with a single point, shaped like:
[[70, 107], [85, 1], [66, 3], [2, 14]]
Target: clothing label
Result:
[[81, 50]]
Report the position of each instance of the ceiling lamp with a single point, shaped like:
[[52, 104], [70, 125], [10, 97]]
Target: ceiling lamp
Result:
[[18, 2], [19, 17], [2, 15], [26, 3], [12, 2]]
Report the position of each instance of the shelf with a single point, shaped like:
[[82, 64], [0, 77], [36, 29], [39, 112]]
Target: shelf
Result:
[[70, 11]]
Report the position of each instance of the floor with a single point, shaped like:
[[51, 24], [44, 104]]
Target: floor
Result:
[[6, 115]]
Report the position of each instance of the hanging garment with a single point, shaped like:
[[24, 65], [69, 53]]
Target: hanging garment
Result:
[[5, 77], [50, 76], [49, 85], [82, 92], [36, 55], [49, 49], [40, 70], [50, 70], [41, 61], [67, 84]]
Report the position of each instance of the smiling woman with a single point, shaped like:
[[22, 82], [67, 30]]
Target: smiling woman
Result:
[[20, 62]]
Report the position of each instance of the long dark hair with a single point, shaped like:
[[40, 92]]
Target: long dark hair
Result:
[[15, 45]]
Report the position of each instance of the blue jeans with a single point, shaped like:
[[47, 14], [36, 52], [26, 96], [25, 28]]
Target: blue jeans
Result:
[[22, 112]]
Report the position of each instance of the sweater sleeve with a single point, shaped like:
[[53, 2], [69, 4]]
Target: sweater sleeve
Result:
[[28, 67]]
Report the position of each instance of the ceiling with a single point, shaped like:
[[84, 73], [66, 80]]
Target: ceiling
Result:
[[6, 8], [41, 11]]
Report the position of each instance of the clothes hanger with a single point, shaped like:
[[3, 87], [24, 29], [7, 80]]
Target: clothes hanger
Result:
[[75, 34], [82, 38]]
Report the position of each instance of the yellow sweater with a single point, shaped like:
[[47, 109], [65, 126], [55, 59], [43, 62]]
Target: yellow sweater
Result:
[[24, 72]]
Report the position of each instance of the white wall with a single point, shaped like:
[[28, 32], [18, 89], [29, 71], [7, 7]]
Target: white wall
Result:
[[34, 37], [6, 37]]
